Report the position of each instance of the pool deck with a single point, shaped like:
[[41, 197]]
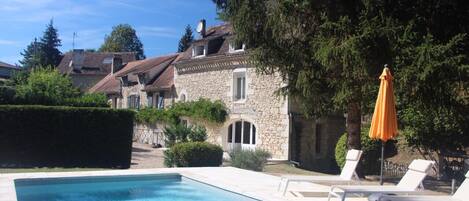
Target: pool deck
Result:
[[253, 184]]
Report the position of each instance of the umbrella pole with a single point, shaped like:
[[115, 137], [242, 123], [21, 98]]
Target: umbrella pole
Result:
[[382, 163]]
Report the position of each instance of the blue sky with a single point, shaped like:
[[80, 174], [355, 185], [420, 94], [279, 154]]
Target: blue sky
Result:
[[159, 23]]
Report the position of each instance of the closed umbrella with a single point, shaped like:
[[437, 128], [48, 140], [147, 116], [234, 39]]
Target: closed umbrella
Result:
[[384, 122]]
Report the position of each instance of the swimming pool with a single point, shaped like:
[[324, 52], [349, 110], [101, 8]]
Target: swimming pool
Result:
[[172, 187]]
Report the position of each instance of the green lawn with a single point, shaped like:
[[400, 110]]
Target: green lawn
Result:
[[25, 170]]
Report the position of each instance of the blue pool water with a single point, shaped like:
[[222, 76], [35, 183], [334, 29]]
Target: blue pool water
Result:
[[122, 188]]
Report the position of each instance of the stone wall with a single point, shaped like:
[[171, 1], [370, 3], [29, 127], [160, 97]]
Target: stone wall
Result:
[[133, 90], [268, 112], [149, 134], [315, 141]]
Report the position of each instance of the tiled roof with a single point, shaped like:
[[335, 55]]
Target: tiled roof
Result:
[[5, 65], [222, 34], [166, 79], [148, 64], [111, 84], [94, 62]]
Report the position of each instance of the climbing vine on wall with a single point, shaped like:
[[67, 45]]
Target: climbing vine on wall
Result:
[[202, 109]]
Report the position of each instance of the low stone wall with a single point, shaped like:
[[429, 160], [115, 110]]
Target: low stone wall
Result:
[[149, 134]]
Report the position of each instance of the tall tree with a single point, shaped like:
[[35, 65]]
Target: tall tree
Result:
[[32, 55], [123, 38], [331, 52], [186, 39], [49, 46]]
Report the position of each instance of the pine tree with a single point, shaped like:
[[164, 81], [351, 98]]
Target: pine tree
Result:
[[123, 38], [186, 39], [50, 43], [32, 55]]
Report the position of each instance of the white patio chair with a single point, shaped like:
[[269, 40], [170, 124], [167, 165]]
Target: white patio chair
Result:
[[408, 184], [461, 194], [346, 176]]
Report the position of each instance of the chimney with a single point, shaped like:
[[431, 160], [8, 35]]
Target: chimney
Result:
[[78, 58], [116, 63], [201, 28]]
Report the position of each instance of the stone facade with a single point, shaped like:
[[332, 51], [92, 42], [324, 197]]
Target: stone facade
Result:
[[268, 112]]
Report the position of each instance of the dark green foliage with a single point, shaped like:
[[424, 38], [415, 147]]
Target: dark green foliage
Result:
[[250, 160], [7, 95], [197, 134], [370, 158], [50, 43], [32, 55], [202, 109], [88, 100], [46, 136], [186, 39], [123, 38], [179, 133], [176, 133], [336, 50], [44, 52], [194, 154], [45, 86]]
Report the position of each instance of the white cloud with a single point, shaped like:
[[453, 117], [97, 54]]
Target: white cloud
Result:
[[167, 32], [8, 42]]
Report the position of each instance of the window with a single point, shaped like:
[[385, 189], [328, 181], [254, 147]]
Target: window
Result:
[[133, 102], [239, 86], [242, 132], [236, 47], [149, 100], [198, 51], [161, 100]]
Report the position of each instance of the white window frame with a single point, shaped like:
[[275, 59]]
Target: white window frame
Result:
[[202, 55], [252, 139], [233, 50], [237, 73]]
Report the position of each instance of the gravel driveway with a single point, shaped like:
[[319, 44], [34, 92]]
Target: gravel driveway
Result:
[[144, 156]]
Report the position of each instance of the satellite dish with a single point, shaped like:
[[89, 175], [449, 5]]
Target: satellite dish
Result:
[[200, 27]]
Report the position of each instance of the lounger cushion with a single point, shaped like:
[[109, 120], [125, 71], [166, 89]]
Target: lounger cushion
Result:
[[420, 165], [353, 155]]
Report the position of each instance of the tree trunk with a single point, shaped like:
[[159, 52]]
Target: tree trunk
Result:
[[354, 115]]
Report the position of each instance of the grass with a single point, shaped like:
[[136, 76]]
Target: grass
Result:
[[58, 169]]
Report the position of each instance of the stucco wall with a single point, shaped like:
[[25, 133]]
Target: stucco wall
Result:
[[268, 112]]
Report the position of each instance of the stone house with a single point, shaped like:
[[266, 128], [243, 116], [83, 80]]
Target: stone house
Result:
[[217, 68], [6, 70], [88, 68], [143, 83]]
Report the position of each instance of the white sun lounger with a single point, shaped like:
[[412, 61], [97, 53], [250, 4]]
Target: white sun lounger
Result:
[[461, 194], [346, 176], [409, 183]]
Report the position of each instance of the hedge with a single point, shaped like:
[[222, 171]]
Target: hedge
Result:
[[194, 154], [51, 136], [370, 158]]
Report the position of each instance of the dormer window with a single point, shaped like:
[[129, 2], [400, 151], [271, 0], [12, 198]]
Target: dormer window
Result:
[[236, 47], [199, 51]]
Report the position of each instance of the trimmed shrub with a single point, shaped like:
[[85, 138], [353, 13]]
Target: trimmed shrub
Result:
[[250, 160], [7, 95], [194, 154], [370, 159], [48, 136], [88, 100]]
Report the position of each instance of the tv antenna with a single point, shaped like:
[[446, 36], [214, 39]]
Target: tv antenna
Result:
[[73, 43]]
